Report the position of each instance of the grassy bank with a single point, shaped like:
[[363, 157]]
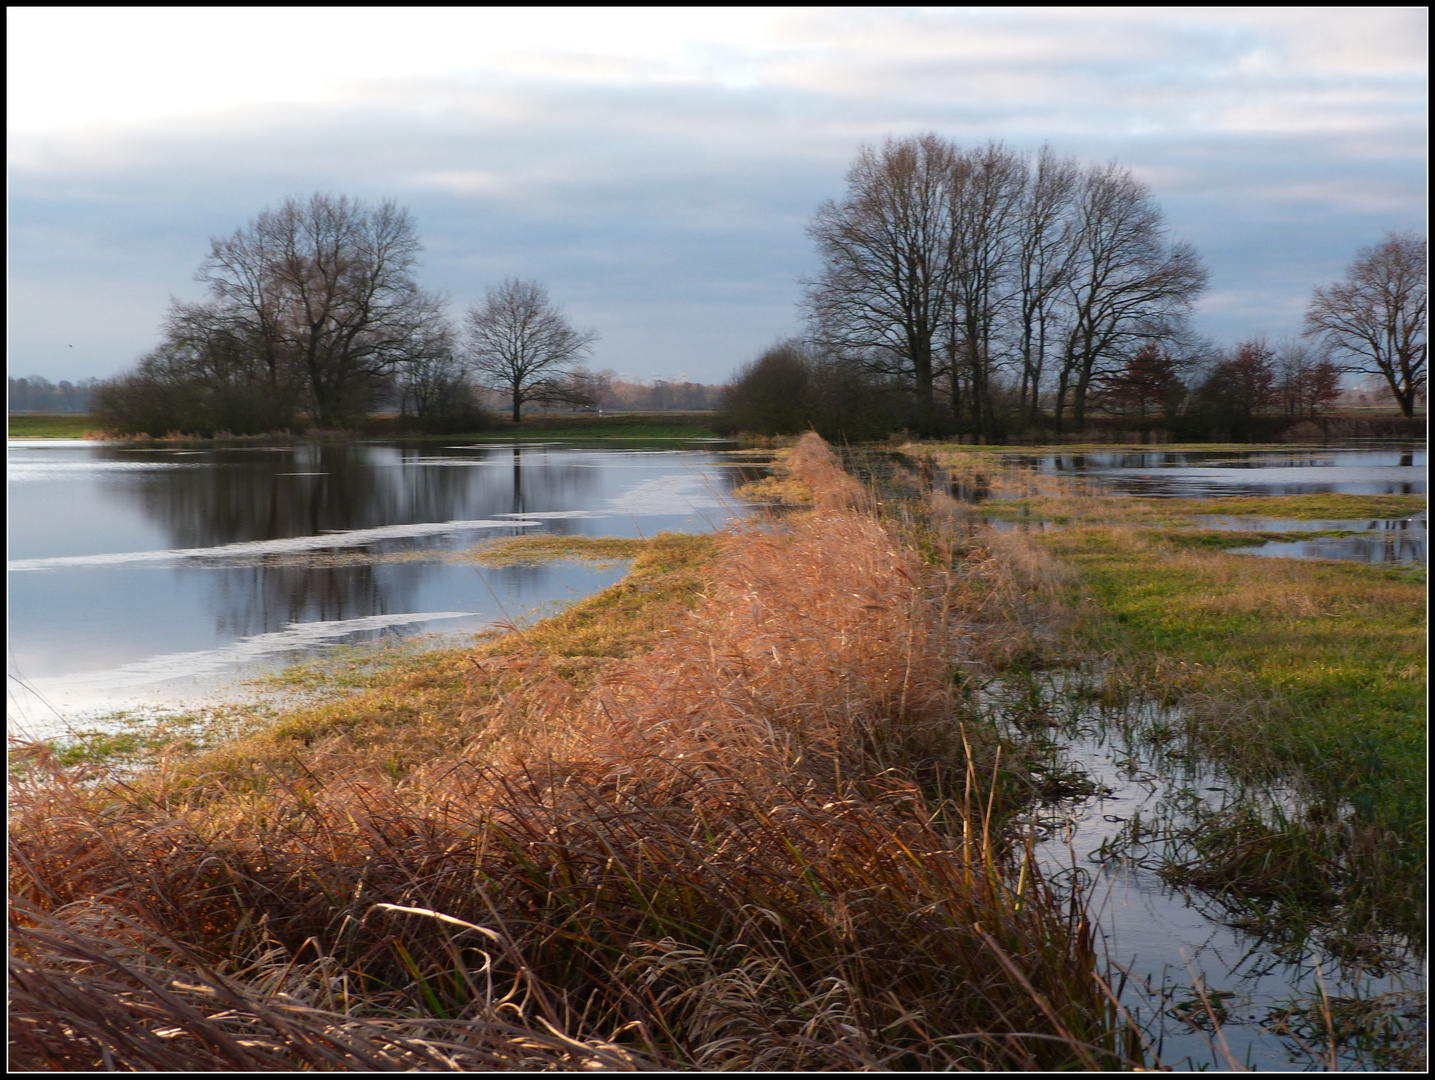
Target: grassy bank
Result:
[[50, 425], [722, 815]]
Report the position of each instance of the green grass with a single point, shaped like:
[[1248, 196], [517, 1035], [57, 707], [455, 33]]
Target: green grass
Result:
[[1308, 671], [1295, 675], [517, 550], [50, 425]]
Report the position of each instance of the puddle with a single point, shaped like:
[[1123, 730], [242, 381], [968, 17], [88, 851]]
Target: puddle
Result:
[[1166, 939], [1381, 540], [1383, 548]]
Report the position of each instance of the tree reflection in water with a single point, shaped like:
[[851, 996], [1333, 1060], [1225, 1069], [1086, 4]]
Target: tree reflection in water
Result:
[[270, 493]]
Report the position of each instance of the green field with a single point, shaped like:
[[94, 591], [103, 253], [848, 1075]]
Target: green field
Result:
[[50, 425]]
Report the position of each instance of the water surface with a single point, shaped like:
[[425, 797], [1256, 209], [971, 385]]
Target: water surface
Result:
[[1213, 474], [140, 575], [1398, 470], [1167, 939]]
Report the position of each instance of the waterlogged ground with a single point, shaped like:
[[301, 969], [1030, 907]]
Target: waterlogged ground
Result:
[[137, 574], [1141, 788], [1140, 814], [1218, 473], [155, 576]]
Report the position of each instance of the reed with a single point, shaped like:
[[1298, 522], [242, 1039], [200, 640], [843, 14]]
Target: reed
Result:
[[762, 840]]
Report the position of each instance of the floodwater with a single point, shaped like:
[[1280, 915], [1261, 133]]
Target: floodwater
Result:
[[1398, 470], [151, 576], [1214, 474], [1166, 939]]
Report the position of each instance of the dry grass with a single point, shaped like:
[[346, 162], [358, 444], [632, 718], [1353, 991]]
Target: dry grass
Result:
[[515, 550], [762, 843]]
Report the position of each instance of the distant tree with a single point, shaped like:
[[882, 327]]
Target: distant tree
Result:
[[521, 344], [988, 201], [1307, 382], [1236, 388], [38, 394], [1044, 259], [1376, 315], [886, 248], [944, 267], [312, 307], [435, 388], [1320, 389], [1126, 284]]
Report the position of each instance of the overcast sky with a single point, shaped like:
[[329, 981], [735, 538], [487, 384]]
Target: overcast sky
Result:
[[657, 169]]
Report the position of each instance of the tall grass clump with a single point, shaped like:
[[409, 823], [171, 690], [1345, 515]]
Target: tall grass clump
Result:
[[765, 842]]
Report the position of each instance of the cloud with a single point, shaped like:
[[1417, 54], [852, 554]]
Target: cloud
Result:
[[657, 169]]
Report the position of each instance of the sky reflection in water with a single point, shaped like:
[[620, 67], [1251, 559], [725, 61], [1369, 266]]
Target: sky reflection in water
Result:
[[143, 575]]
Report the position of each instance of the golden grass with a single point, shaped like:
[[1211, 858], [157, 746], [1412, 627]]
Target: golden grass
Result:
[[514, 550], [695, 822]]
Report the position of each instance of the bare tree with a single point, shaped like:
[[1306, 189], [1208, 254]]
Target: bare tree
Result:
[[986, 203], [948, 264], [1376, 315], [1127, 284], [1306, 381], [520, 344], [323, 292], [1045, 259], [886, 251]]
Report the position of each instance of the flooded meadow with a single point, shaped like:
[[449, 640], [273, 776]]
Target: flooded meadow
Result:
[[1240, 858], [145, 576]]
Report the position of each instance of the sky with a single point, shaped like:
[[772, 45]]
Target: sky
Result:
[[656, 169]]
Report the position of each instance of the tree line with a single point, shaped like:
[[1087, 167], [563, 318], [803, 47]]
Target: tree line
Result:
[[981, 291], [39, 394], [314, 317], [969, 291]]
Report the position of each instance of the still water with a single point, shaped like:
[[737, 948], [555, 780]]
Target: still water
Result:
[[1399, 470], [140, 576], [1168, 940]]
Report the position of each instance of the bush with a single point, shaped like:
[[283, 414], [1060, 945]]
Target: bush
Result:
[[770, 395], [786, 391], [142, 403]]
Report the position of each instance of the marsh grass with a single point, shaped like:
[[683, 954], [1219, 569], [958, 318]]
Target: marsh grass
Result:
[[722, 815], [1303, 681], [1068, 508]]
